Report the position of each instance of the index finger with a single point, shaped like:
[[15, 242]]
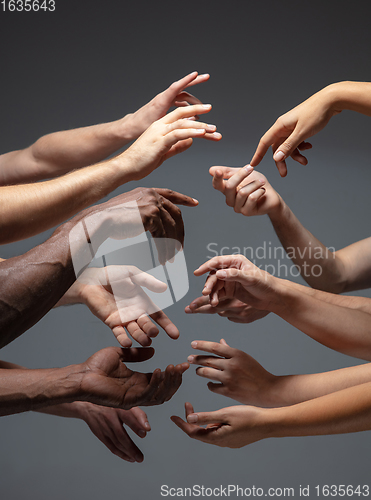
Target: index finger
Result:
[[177, 198], [264, 144], [222, 350]]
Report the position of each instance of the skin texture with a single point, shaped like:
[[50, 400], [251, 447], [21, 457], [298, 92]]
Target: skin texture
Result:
[[288, 134], [239, 376], [96, 293], [344, 411], [58, 153], [34, 282], [342, 328], [107, 424], [103, 379], [32, 208]]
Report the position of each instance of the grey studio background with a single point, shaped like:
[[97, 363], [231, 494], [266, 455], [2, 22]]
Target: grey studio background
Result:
[[94, 61]]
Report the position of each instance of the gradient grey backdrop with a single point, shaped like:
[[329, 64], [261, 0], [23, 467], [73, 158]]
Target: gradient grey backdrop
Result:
[[94, 61]]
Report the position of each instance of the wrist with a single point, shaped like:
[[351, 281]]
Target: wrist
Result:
[[126, 129], [279, 212]]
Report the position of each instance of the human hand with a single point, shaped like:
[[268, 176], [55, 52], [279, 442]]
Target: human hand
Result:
[[107, 381], [107, 424], [175, 95], [234, 276], [288, 134], [231, 427], [114, 295], [165, 138], [246, 190], [238, 375], [142, 209], [232, 309]]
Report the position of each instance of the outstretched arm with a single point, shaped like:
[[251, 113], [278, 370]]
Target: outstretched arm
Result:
[[61, 152], [239, 376], [248, 192], [341, 412], [103, 379], [107, 424], [289, 133], [32, 208], [34, 282], [344, 329]]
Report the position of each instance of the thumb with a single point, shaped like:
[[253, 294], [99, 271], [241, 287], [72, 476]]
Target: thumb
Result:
[[244, 277], [136, 354], [211, 417], [288, 147], [222, 341]]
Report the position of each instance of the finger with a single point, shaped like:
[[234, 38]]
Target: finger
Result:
[[166, 324], [184, 98], [218, 181], [250, 205], [171, 233], [177, 198], [246, 279], [208, 361], [305, 145], [287, 147], [188, 408], [217, 388], [114, 449], [175, 136], [145, 323], [123, 442], [137, 421], [188, 123], [176, 215], [227, 172], [222, 350], [297, 156], [186, 112], [223, 342], [212, 417], [264, 144], [158, 233], [230, 186], [221, 262], [245, 192], [179, 148], [121, 336], [210, 284], [210, 373], [136, 354], [199, 79], [138, 334], [141, 417]]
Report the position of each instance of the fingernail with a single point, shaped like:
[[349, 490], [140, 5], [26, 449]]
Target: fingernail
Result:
[[192, 419], [248, 168], [147, 426], [187, 310], [216, 134], [142, 433], [190, 359], [194, 199], [221, 274], [211, 126], [279, 156], [194, 344], [201, 131], [138, 458], [206, 106], [262, 181]]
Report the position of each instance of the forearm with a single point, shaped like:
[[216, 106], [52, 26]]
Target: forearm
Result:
[[24, 390], [33, 208], [58, 153], [32, 283], [341, 412], [318, 265], [352, 96], [341, 328], [292, 389]]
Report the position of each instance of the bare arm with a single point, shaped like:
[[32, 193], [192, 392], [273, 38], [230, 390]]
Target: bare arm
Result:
[[250, 193], [288, 134], [345, 411], [345, 329], [239, 376], [58, 153], [32, 208], [103, 379]]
